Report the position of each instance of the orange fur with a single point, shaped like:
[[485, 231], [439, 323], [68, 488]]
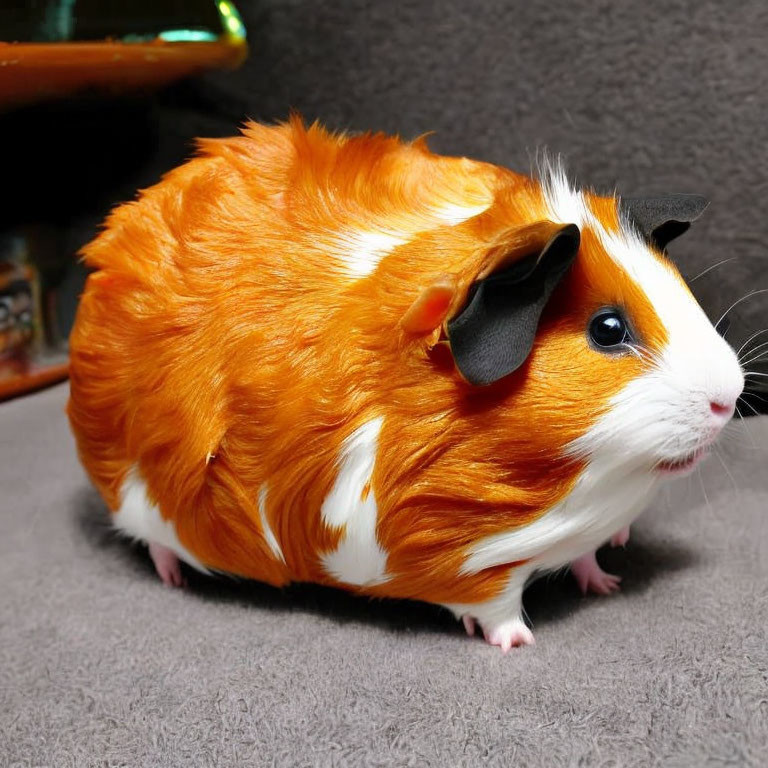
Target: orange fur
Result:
[[220, 345]]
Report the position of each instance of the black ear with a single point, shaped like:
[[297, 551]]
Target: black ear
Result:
[[493, 334], [662, 219]]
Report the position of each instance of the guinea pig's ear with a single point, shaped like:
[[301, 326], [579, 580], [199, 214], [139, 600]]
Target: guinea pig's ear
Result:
[[662, 219], [492, 334], [431, 307]]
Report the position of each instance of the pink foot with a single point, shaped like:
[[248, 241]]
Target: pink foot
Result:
[[167, 565], [591, 577], [621, 538], [510, 634]]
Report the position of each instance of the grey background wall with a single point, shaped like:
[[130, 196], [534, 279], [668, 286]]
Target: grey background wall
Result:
[[644, 97]]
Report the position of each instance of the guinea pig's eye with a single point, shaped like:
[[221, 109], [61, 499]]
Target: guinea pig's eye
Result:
[[608, 330]]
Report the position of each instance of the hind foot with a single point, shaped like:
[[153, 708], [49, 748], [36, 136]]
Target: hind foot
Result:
[[510, 634], [167, 565], [500, 618], [592, 578]]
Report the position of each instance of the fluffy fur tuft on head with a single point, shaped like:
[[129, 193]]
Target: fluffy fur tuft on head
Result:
[[253, 312]]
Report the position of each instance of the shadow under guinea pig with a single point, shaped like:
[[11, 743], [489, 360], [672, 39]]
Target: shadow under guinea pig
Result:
[[549, 598]]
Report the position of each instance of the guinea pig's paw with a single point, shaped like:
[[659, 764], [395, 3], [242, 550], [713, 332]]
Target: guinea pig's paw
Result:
[[167, 565], [592, 578], [511, 634], [621, 538]]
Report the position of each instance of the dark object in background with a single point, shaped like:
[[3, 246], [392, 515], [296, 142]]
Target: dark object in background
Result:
[[55, 21], [60, 47], [71, 161], [26, 361], [16, 313]]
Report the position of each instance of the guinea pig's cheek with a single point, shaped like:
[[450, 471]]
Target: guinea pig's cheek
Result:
[[693, 393]]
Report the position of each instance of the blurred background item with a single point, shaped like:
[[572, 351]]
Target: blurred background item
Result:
[[56, 48], [77, 79]]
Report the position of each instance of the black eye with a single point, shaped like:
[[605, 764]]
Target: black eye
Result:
[[608, 330]]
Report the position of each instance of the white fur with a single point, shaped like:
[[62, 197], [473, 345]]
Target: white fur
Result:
[[140, 519], [363, 251], [566, 205], [604, 500], [662, 415], [266, 529], [671, 403], [452, 213], [359, 558], [506, 606], [360, 251]]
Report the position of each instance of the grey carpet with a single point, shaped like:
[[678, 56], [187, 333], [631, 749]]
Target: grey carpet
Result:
[[100, 665]]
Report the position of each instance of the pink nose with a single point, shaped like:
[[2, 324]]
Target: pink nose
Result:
[[724, 410]]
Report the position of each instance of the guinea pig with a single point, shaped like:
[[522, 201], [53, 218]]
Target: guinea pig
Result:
[[315, 357]]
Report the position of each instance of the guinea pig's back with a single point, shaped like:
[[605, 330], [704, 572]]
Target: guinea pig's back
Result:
[[185, 278], [211, 351]]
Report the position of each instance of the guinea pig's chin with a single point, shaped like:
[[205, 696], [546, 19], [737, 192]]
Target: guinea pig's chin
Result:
[[682, 465]]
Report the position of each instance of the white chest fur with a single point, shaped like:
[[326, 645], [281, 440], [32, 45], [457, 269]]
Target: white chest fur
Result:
[[604, 500]]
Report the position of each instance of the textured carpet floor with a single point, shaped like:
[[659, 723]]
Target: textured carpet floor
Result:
[[100, 665]]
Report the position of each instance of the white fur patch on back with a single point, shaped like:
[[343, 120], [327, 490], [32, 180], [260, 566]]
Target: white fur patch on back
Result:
[[351, 506], [266, 529], [452, 213], [360, 251], [364, 250], [140, 519]]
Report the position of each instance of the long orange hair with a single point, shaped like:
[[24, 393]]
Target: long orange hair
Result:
[[223, 342]]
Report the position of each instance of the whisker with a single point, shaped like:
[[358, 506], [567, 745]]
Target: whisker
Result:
[[709, 269], [727, 471], [746, 428], [645, 354], [757, 359], [754, 373], [749, 405], [703, 490], [753, 336], [744, 360], [637, 352], [737, 302], [753, 394], [752, 351]]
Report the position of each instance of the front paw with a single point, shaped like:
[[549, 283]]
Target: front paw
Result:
[[592, 578]]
